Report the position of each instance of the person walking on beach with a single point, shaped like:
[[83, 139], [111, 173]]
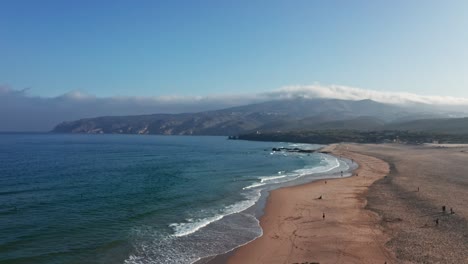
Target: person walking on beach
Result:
[[437, 221], [323, 216]]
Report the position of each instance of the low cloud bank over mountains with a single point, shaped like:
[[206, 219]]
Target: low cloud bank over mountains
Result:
[[20, 111]]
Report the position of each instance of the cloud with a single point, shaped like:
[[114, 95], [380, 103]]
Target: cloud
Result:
[[20, 111], [351, 93]]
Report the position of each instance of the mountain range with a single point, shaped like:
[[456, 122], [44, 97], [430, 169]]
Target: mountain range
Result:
[[279, 115]]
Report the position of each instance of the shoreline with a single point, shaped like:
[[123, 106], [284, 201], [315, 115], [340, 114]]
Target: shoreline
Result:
[[261, 204], [396, 215], [294, 214]]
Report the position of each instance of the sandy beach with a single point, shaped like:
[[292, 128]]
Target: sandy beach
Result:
[[378, 216], [408, 215], [299, 227]]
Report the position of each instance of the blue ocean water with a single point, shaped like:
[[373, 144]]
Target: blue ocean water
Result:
[[136, 199]]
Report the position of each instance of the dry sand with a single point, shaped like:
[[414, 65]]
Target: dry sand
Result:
[[408, 216], [376, 217], [295, 231]]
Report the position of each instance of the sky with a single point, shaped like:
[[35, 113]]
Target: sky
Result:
[[175, 56]]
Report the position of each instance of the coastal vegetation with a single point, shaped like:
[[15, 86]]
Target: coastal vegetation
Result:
[[336, 136]]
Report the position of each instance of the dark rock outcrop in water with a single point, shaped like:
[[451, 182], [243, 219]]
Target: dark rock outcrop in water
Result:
[[298, 150]]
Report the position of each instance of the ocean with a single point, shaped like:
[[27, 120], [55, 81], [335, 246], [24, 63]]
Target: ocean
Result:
[[139, 199]]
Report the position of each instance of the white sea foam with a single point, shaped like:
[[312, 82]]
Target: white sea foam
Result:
[[270, 178], [332, 163], [189, 227], [183, 229], [329, 163], [304, 146], [184, 246], [154, 246], [254, 185]]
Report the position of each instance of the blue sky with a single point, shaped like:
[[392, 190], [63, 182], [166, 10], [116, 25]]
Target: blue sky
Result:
[[154, 48]]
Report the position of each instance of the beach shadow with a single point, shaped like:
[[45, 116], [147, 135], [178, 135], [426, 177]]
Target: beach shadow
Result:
[[312, 221], [425, 226], [434, 214], [415, 191], [392, 220], [291, 218]]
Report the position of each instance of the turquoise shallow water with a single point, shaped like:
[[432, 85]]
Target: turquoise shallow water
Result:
[[135, 199]]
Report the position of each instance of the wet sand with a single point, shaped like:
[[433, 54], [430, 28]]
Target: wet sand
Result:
[[295, 230]]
